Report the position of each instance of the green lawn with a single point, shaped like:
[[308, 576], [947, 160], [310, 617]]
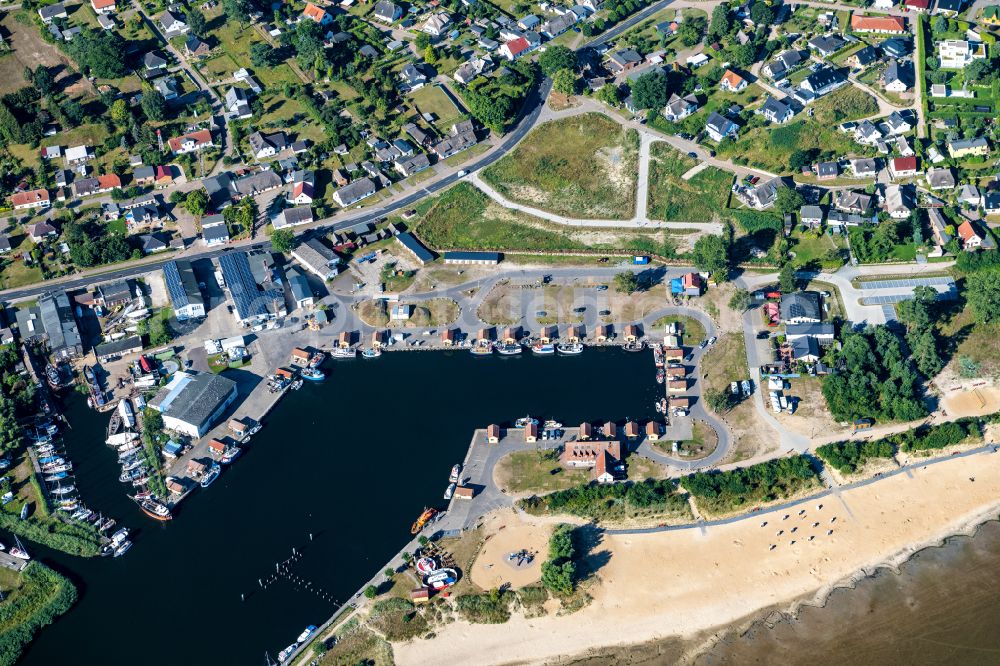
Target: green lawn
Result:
[[810, 247], [583, 167], [431, 99], [283, 112], [17, 274], [699, 199], [537, 472], [692, 332]]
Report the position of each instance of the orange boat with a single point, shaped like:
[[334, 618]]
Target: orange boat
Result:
[[422, 520]]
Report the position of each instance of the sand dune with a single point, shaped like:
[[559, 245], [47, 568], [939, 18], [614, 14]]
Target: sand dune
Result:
[[681, 583]]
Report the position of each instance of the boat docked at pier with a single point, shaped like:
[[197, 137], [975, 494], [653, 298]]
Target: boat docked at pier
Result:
[[509, 350], [306, 633], [634, 346], [317, 359], [122, 548], [371, 352], [125, 409], [341, 352], [658, 356], [525, 421], [211, 475], [19, 550], [482, 348], [455, 472], [230, 454], [543, 349], [312, 374], [422, 520], [154, 509], [660, 375], [570, 349], [450, 490]]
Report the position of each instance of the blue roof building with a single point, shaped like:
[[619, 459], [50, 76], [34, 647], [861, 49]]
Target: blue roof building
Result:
[[415, 247]]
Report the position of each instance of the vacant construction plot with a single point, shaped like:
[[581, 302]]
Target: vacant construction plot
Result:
[[28, 49], [699, 199], [583, 167]]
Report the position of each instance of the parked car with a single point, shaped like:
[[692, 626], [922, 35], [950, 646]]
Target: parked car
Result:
[[605, 313], [712, 340]]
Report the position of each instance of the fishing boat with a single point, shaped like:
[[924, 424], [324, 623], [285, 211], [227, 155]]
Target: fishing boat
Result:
[[211, 475], [570, 349], [455, 472], [481, 350], [371, 352], [525, 421], [658, 356], [52, 376], [231, 454], [634, 346], [551, 424], [287, 653], [306, 633], [154, 509], [88, 374], [509, 350], [660, 376], [119, 536], [312, 374], [543, 349], [345, 353], [19, 551], [422, 520], [317, 359], [122, 548], [450, 490], [130, 475]]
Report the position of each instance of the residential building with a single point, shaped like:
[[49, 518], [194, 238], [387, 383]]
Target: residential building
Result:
[[827, 170], [263, 145], [301, 194], [827, 45], [172, 23], [938, 226], [293, 217], [76, 155], [823, 333], [969, 195], [940, 178], [461, 137], [801, 307], [824, 80], [950, 8], [678, 108], [957, 53], [896, 47], [190, 142], [214, 230], [412, 78], [354, 192], [775, 110], [991, 15], [898, 201], [897, 124], [766, 192], [805, 349], [191, 403], [782, 65], [255, 183], [811, 216], [903, 167], [971, 239], [852, 202], [50, 12], [864, 167], [317, 14], [41, 231], [30, 199], [387, 12], [515, 48], [897, 78], [881, 24], [964, 147], [473, 68], [623, 60], [719, 127], [732, 82], [51, 322], [237, 104], [317, 258], [604, 458], [437, 25], [195, 47], [866, 133], [103, 6], [918, 6], [863, 57], [558, 25], [182, 287], [411, 165]]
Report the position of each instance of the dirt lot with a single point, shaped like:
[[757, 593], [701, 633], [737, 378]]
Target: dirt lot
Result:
[[724, 363], [492, 568], [30, 50], [977, 401], [811, 417]]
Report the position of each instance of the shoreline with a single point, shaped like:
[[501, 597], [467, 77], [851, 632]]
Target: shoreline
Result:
[[685, 605]]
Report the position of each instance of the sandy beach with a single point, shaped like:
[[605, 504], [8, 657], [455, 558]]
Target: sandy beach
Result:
[[685, 582]]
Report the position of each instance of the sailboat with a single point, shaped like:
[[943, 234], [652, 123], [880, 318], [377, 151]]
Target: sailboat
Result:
[[19, 551]]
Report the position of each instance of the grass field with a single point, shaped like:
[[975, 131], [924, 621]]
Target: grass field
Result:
[[17, 274], [827, 249], [431, 99], [584, 167], [692, 332], [536, 472], [671, 198]]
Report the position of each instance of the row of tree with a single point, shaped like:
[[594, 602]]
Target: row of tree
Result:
[[559, 571]]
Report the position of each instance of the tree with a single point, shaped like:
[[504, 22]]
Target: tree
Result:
[[939, 25], [968, 367], [119, 112], [371, 592], [761, 14], [740, 300], [924, 351], [931, 63], [983, 295], [159, 331], [711, 254], [556, 58], [263, 54], [719, 401], [43, 80], [609, 94], [744, 55], [788, 200], [99, 51], [626, 282], [196, 21], [196, 202], [389, 572], [689, 33], [282, 240], [786, 278], [974, 71], [564, 81], [239, 11], [154, 105], [720, 25], [649, 91]]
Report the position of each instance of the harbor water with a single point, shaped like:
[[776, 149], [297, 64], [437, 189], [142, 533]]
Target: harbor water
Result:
[[350, 461]]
